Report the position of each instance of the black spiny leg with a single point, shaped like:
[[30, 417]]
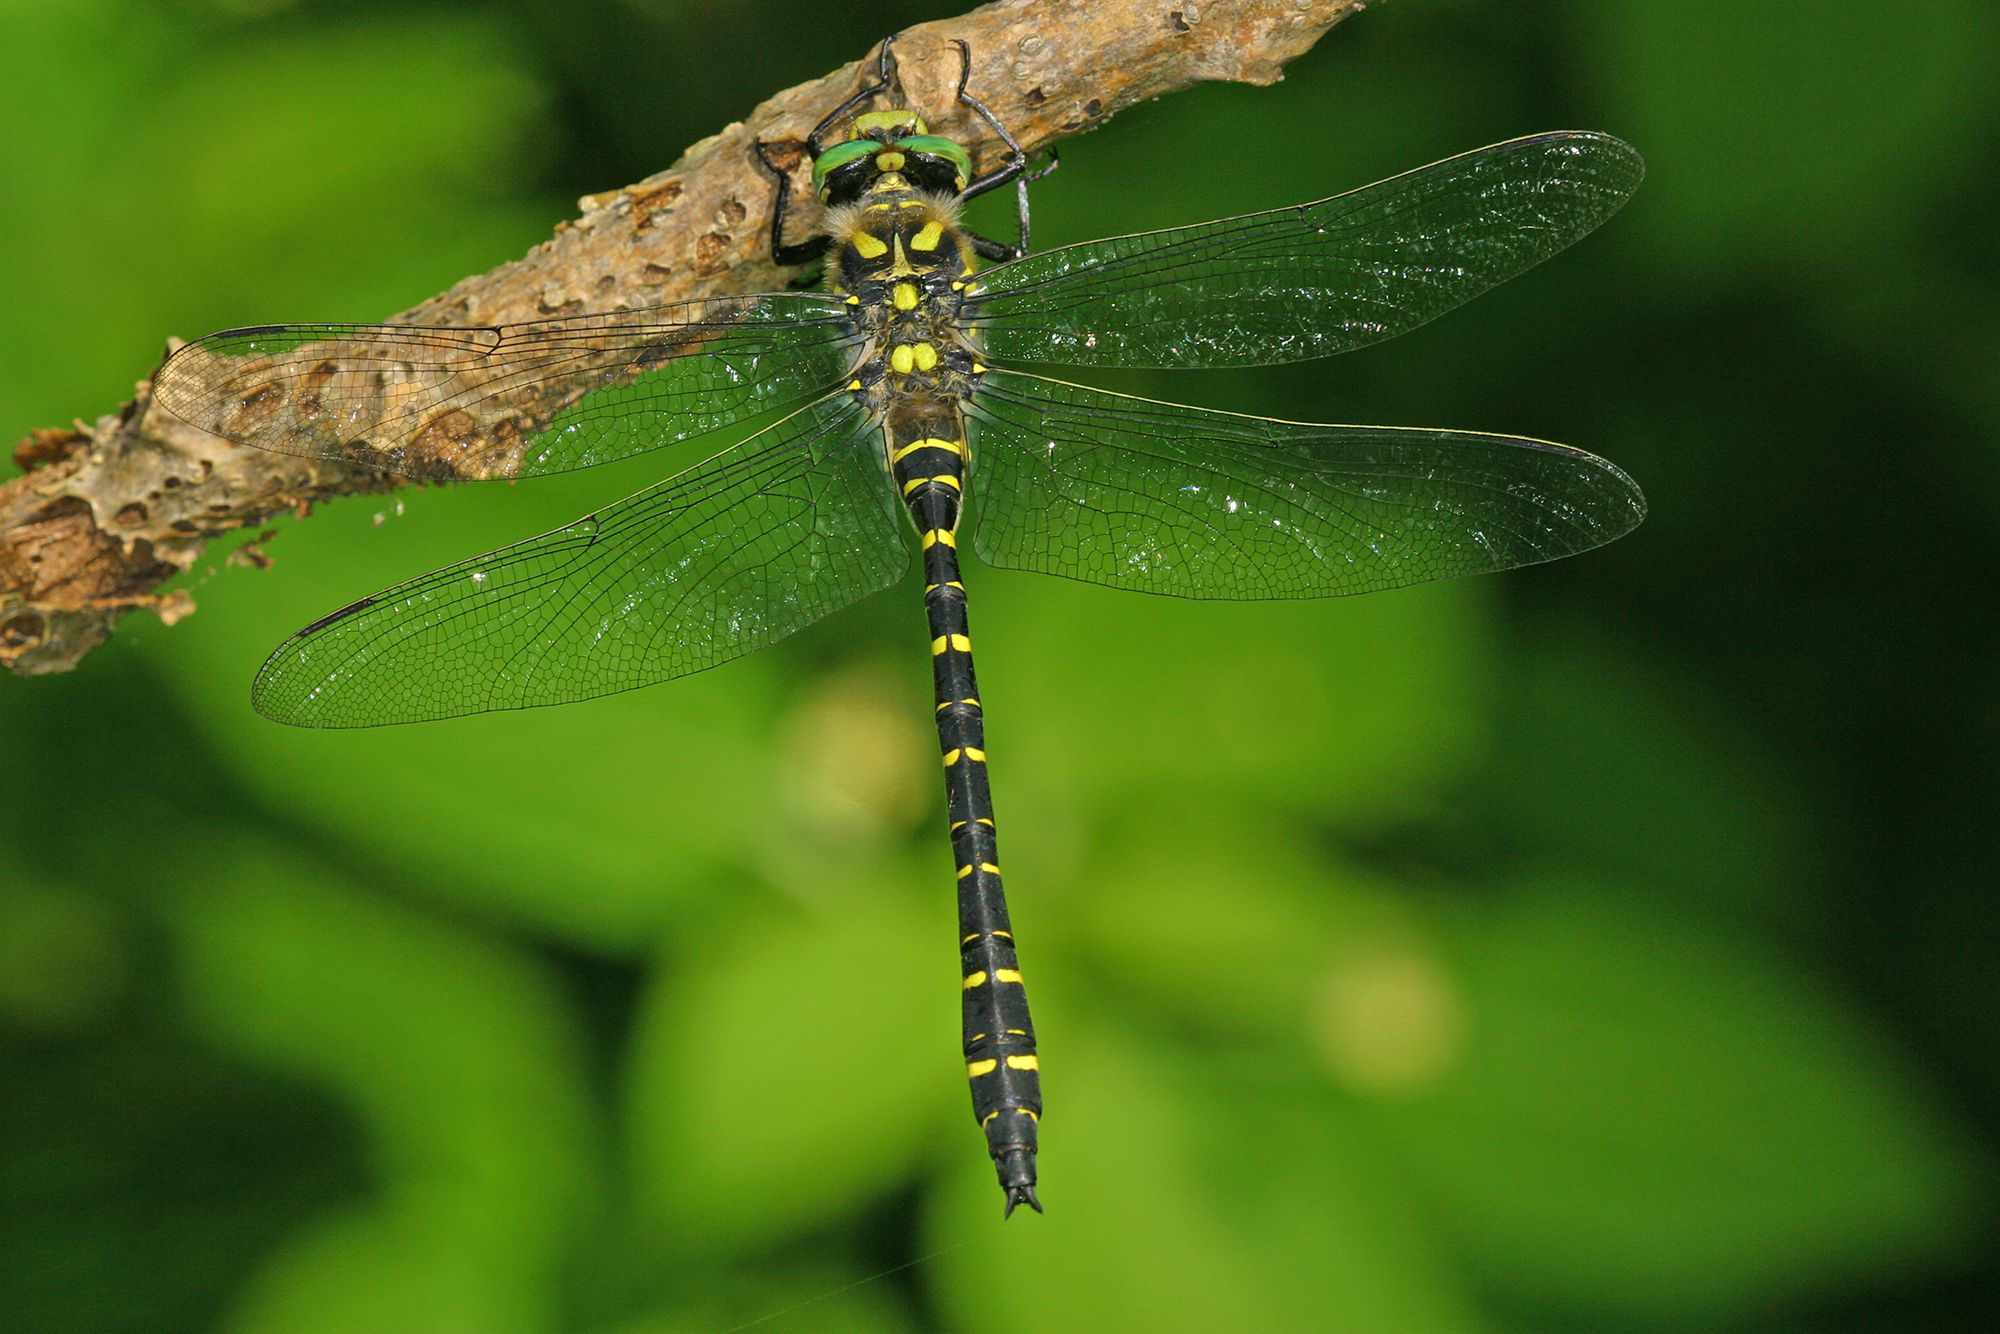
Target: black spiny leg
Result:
[[804, 252], [815, 247], [884, 72], [1014, 169]]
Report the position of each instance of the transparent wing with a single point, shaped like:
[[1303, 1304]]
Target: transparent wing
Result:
[[731, 555], [1313, 280], [1162, 498], [509, 400]]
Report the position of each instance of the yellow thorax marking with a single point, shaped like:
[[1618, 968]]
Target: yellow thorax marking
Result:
[[902, 359], [928, 238], [926, 356], [905, 296], [901, 267], [868, 246]]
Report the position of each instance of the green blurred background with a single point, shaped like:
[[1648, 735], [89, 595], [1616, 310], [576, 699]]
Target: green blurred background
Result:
[[1604, 946]]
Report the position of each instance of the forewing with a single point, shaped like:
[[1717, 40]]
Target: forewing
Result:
[[729, 556], [1163, 498], [509, 400], [1308, 281]]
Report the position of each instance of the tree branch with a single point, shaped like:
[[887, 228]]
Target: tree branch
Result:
[[107, 512]]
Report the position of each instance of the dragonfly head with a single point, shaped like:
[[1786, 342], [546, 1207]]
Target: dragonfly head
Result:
[[890, 149]]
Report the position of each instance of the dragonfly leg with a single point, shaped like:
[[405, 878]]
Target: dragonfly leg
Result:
[[885, 70], [800, 252]]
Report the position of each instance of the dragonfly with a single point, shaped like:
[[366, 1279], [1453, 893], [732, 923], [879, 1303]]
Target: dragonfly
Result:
[[882, 409]]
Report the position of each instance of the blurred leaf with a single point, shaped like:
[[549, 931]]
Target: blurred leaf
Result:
[[796, 1064], [1752, 162], [590, 821], [1654, 1121], [1344, 707], [1179, 1199], [1609, 765], [461, 1062], [1214, 916], [187, 172]]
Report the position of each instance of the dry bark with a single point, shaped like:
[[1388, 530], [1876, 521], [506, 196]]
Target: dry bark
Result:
[[107, 511]]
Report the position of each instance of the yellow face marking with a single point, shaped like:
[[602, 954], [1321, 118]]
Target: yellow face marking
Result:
[[902, 359], [867, 246], [928, 237], [926, 356], [1023, 1063], [888, 162], [974, 1069], [974, 980], [905, 296], [1007, 975]]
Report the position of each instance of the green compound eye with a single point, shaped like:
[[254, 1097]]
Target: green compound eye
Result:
[[839, 156], [936, 145]]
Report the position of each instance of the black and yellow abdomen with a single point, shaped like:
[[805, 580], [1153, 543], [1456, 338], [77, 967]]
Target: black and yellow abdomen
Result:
[[902, 259]]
